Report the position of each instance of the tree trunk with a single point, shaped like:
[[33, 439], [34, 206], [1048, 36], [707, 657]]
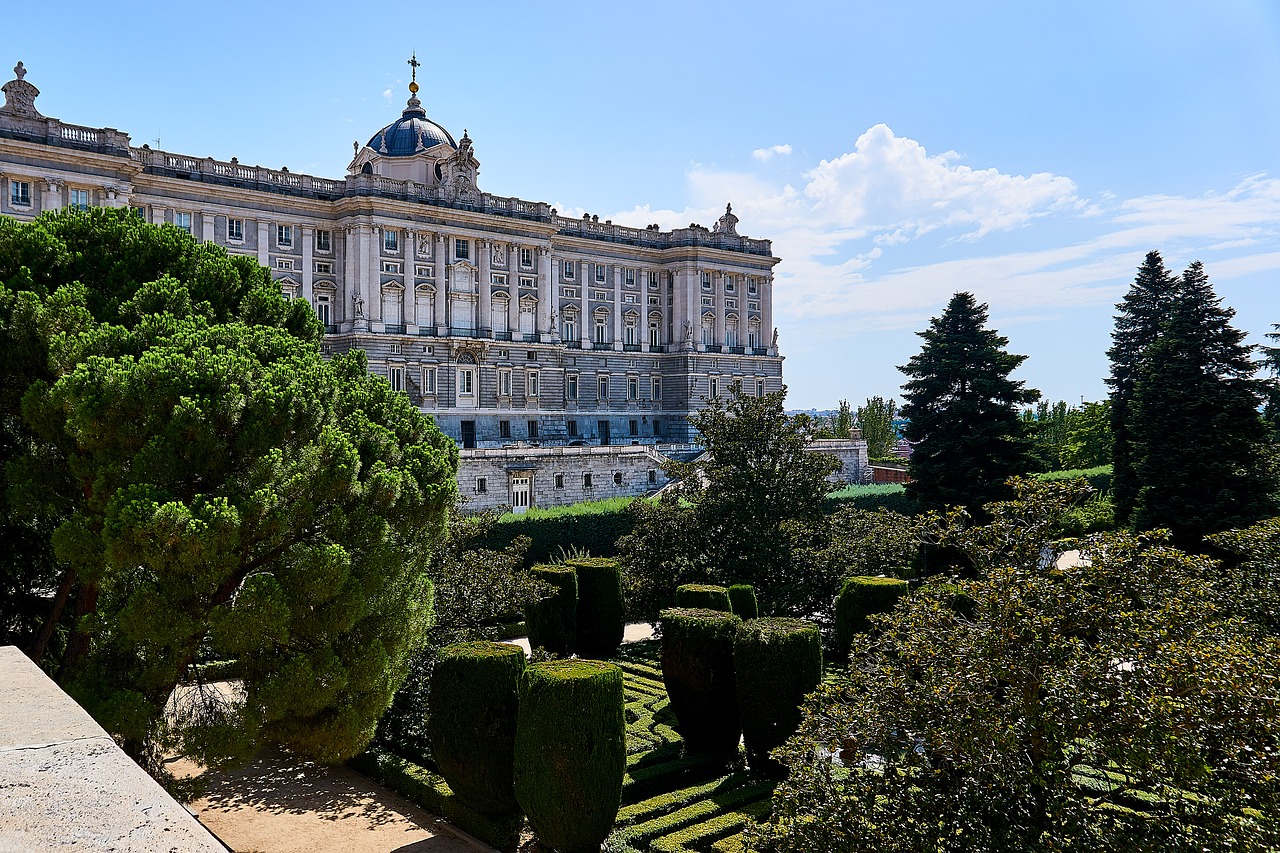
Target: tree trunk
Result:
[[41, 644], [78, 644]]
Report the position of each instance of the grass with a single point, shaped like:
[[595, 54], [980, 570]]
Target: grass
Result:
[[859, 491], [603, 507]]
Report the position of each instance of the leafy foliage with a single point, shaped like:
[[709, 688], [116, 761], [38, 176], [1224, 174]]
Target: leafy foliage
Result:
[[875, 420], [962, 409], [697, 667], [1122, 702], [777, 662], [859, 599]]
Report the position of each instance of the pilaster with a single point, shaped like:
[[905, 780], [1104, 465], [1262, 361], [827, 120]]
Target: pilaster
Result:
[[546, 295], [442, 292], [411, 282], [484, 322], [308, 234]]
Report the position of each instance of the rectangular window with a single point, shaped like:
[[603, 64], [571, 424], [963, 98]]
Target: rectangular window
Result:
[[183, 221], [706, 281], [599, 272], [390, 241], [428, 380], [569, 292], [633, 390], [654, 301], [752, 286], [284, 263], [602, 333], [532, 385], [526, 256], [235, 230], [633, 427], [602, 388], [572, 428], [461, 250], [629, 298], [284, 235], [657, 388], [482, 485], [728, 284], [568, 269], [713, 388], [657, 427], [653, 476], [533, 429], [629, 277], [708, 301], [324, 241], [528, 282], [655, 278], [80, 201], [599, 295], [570, 327], [559, 481], [753, 306], [20, 193], [395, 376], [759, 387], [397, 349], [504, 429], [571, 387], [586, 480], [504, 382], [324, 267], [423, 271], [392, 267]]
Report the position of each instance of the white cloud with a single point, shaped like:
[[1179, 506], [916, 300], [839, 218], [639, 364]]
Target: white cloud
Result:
[[767, 153], [386, 95]]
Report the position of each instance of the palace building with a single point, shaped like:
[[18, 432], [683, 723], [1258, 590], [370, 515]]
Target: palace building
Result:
[[533, 339]]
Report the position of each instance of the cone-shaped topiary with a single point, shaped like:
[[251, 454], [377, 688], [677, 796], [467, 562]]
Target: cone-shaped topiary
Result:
[[777, 663], [571, 752], [742, 597], [697, 667], [552, 622], [703, 595], [472, 724], [860, 597], [601, 618]]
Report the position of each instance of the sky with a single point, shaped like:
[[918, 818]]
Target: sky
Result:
[[895, 153]]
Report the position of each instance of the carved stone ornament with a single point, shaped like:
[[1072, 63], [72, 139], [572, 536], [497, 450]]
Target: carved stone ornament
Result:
[[498, 257], [20, 96], [727, 224], [359, 305]]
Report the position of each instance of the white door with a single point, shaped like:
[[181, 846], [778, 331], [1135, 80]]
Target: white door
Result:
[[521, 489]]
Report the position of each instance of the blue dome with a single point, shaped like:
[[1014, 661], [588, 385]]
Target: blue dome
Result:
[[409, 134]]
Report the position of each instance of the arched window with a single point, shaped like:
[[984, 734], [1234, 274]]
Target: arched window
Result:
[[655, 329], [731, 330], [570, 324], [753, 332], [630, 329], [708, 329], [601, 326]]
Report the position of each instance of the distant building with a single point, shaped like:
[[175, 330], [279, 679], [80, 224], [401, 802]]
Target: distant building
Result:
[[512, 326]]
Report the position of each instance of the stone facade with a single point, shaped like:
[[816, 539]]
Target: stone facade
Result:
[[522, 476], [505, 321], [855, 465]]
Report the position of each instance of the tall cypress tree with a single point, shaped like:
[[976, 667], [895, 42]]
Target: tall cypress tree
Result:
[[962, 409], [1197, 439], [1138, 324]]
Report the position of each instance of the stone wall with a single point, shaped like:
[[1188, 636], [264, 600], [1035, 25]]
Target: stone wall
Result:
[[852, 453], [557, 475]]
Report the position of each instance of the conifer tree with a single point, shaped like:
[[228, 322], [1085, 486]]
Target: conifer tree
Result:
[[963, 410], [1197, 441], [1137, 327]]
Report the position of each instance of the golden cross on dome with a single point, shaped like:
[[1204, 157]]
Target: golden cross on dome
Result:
[[415, 65]]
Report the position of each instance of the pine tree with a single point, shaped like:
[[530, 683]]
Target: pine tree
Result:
[[1137, 328], [1197, 441], [962, 408]]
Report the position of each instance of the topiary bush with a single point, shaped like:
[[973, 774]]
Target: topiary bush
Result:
[[742, 598], [697, 668], [601, 618], [553, 621], [703, 595], [777, 663], [472, 724], [859, 597], [571, 752]]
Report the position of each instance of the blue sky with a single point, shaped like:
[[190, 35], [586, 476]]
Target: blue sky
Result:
[[1030, 152]]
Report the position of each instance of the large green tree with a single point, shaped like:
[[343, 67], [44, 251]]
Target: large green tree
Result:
[[875, 420], [1197, 444], [1088, 443], [1139, 324], [962, 410], [1124, 701], [213, 488]]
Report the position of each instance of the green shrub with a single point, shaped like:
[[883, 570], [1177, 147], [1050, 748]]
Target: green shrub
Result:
[[703, 595], [472, 724], [742, 598], [593, 526], [777, 663], [860, 597], [431, 792], [571, 752], [601, 618], [697, 667], [890, 496], [553, 621]]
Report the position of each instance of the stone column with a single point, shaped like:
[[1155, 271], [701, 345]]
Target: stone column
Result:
[[350, 280], [587, 332], [308, 268], [719, 290], [513, 290], [52, 195], [484, 323], [411, 282], [546, 294], [617, 307], [371, 235], [766, 314], [442, 292], [264, 243]]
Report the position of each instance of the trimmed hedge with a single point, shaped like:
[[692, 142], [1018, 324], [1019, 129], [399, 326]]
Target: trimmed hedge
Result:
[[431, 792], [601, 618], [859, 597], [742, 598], [703, 595], [643, 834], [592, 529], [553, 621], [472, 724], [778, 662], [571, 752], [697, 668], [699, 835]]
